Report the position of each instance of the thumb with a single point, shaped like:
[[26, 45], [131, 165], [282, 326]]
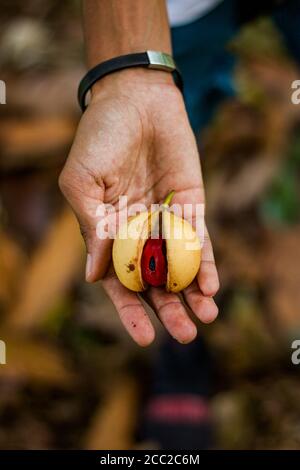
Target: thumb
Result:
[[85, 195], [98, 251]]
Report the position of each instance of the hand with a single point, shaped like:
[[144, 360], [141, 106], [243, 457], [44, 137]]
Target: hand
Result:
[[135, 140]]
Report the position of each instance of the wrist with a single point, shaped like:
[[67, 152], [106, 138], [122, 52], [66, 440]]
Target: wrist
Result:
[[126, 80]]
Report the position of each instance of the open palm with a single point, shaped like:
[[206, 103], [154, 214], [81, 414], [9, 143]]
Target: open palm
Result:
[[139, 144]]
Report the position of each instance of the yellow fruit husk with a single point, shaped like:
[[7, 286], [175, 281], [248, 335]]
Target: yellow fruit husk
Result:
[[127, 251], [183, 251]]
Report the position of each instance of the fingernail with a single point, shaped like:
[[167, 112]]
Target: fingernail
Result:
[[88, 268]]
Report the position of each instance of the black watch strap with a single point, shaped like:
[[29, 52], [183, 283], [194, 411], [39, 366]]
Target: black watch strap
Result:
[[149, 59]]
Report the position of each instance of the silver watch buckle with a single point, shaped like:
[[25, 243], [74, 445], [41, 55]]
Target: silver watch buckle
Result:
[[161, 61]]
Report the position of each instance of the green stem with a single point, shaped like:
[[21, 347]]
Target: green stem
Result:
[[169, 198]]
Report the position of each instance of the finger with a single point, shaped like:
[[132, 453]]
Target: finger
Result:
[[172, 314], [208, 278], [203, 307], [86, 196], [131, 311]]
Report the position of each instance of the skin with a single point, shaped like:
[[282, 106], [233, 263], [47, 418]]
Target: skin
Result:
[[135, 140]]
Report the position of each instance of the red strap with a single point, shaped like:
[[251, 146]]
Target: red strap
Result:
[[178, 408]]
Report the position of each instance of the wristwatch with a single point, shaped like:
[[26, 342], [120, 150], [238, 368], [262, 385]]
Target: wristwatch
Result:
[[149, 59]]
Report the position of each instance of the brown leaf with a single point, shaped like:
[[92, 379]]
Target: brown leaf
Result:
[[113, 423], [23, 141], [54, 266], [12, 263], [33, 360]]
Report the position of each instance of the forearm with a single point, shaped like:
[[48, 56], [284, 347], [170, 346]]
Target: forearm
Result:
[[116, 27]]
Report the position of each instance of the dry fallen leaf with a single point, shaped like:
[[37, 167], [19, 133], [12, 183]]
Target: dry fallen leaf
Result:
[[33, 360], [54, 266], [24, 141], [12, 264], [113, 423]]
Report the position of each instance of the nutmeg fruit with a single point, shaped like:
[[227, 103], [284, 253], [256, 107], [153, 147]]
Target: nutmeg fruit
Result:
[[171, 258]]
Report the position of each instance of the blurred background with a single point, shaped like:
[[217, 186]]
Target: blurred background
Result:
[[73, 377]]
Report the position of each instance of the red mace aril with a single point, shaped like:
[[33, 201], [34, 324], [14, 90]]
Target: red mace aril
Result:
[[154, 263]]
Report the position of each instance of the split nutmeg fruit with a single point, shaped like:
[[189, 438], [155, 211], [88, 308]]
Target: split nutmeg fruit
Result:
[[171, 258]]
